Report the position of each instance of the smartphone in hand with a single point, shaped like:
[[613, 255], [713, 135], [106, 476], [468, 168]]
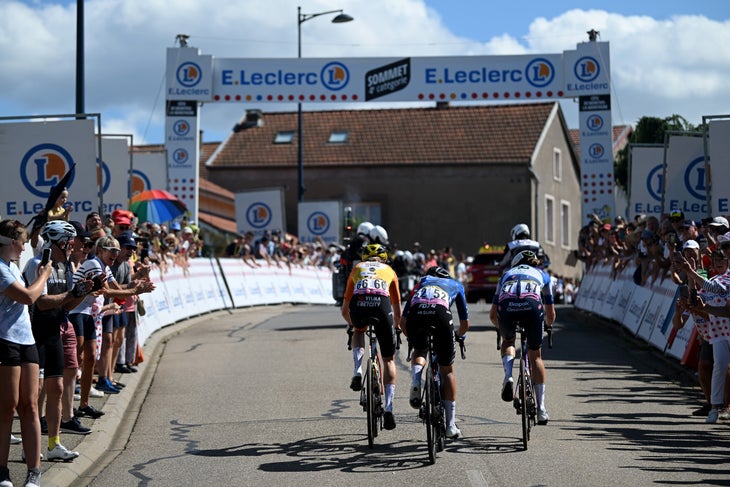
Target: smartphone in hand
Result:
[[46, 257]]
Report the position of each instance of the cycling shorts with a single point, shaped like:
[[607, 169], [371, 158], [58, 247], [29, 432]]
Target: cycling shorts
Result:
[[364, 308], [84, 326], [529, 312], [424, 317]]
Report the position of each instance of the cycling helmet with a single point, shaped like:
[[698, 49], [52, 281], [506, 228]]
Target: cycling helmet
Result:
[[379, 235], [364, 228], [437, 271], [520, 231], [399, 253], [524, 257], [57, 231], [374, 250]]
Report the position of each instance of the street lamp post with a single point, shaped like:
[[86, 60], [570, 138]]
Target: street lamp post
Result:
[[301, 18]]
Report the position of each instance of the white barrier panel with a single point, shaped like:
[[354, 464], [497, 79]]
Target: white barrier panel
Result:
[[638, 304], [659, 314], [233, 269], [325, 283], [297, 287], [282, 279], [625, 278], [681, 340], [600, 290]]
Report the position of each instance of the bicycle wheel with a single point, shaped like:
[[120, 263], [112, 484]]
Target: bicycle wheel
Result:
[[525, 406], [430, 415], [370, 404]]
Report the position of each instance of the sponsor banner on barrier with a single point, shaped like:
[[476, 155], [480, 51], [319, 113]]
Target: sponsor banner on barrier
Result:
[[637, 307], [660, 312], [679, 345], [626, 290]]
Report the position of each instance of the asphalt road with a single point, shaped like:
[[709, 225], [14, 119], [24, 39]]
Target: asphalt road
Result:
[[260, 396]]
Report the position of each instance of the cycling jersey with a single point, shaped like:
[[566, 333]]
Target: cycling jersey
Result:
[[521, 293], [440, 291], [429, 310], [372, 277]]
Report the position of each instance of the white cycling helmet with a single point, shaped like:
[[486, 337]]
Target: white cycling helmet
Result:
[[520, 231], [57, 231], [364, 228], [399, 253], [379, 235], [408, 255]]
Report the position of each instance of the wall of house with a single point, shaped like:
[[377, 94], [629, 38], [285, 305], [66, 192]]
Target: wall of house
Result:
[[566, 189]]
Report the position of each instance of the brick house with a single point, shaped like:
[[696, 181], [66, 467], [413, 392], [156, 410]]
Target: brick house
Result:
[[444, 176]]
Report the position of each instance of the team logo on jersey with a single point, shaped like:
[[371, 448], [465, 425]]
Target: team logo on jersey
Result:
[[43, 166], [258, 215]]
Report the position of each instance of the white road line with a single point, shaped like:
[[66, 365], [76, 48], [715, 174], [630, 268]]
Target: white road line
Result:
[[476, 479]]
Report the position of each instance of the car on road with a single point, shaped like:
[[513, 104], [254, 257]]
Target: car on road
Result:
[[482, 276]]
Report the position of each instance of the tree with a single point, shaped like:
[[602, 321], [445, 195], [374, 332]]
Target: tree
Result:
[[649, 130]]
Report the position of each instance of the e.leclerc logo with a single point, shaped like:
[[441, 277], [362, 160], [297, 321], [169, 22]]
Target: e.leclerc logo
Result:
[[43, 166], [539, 72], [106, 175], [654, 182], [258, 215], [694, 178], [189, 74], [139, 182], [586, 69], [594, 123], [318, 223], [180, 156], [181, 128], [335, 76]]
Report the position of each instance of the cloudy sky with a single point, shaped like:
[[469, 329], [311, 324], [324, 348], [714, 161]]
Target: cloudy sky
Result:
[[667, 56]]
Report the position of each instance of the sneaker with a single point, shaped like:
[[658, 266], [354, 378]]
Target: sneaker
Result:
[[453, 432], [132, 368], [94, 392], [118, 384], [77, 397], [105, 385], [5, 477], [122, 369], [33, 479], [388, 420], [356, 382], [703, 411], [542, 417], [415, 398], [508, 392], [44, 426], [712, 416], [89, 411], [724, 413], [74, 426], [60, 452], [14, 440]]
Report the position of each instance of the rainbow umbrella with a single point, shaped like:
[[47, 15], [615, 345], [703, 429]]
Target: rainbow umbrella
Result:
[[156, 206]]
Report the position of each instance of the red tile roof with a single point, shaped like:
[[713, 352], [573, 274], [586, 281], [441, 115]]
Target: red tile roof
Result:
[[496, 133], [621, 135]]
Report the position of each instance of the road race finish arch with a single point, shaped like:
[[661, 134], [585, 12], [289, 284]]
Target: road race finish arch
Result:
[[583, 73]]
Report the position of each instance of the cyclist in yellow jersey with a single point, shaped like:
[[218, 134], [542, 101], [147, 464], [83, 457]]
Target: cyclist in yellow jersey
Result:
[[372, 292]]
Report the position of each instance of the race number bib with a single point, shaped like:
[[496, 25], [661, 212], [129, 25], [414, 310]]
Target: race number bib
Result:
[[431, 295]]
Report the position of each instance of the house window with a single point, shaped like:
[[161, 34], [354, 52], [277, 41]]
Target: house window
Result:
[[549, 219], [338, 137], [565, 224], [557, 165], [284, 137]]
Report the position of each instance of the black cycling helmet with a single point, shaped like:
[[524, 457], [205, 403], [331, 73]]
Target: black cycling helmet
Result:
[[437, 271], [374, 250], [525, 257]]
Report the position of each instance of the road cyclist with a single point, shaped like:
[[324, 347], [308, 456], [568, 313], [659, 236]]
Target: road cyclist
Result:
[[428, 312], [524, 295], [372, 293]]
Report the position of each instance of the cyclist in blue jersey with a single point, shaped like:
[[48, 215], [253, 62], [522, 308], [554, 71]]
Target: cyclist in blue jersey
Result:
[[429, 306], [524, 295]]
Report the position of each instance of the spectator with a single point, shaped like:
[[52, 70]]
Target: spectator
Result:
[[19, 374]]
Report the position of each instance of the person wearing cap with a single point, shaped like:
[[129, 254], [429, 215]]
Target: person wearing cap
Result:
[[688, 231], [691, 252], [715, 227], [122, 224], [676, 218], [713, 299]]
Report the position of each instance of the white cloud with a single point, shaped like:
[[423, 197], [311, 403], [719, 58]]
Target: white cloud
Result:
[[659, 67]]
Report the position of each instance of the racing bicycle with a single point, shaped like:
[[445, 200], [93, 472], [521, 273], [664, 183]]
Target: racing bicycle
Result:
[[371, 393], [432, 410], [525, 400]]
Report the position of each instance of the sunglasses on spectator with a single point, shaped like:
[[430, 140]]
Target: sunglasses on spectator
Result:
[[113, 250]]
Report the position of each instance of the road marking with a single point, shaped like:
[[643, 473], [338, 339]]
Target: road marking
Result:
[[476, 479]]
